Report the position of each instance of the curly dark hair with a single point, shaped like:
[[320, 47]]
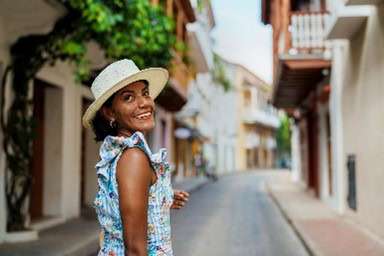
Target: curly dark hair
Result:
[[100, 124]]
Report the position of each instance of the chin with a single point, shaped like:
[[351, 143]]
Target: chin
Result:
[[147, 128]]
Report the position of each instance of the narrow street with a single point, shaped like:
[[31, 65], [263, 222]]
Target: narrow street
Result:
[[234, 216]]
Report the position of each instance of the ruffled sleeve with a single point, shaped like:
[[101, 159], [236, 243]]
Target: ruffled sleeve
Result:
[[113, 146]]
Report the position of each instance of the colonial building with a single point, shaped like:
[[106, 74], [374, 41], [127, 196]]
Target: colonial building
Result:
[[176, 95], [64, 153], [301, 80], [328, 77], [356, 28], [195, 130], [245, 121], [257, 122]]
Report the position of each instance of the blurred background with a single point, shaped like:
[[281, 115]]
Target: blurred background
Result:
[[272, 118]]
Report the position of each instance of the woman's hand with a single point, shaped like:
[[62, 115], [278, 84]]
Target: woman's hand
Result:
[[180, 199]]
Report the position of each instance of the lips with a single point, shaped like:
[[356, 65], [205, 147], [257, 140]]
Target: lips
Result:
[[144, 116]]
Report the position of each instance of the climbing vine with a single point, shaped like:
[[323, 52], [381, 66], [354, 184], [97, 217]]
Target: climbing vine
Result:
[[220, 74], [123, 29]]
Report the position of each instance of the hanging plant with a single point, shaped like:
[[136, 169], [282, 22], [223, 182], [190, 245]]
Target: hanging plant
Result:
[[123, 29]]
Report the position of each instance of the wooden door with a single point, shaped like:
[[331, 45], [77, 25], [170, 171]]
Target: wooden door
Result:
[[313, 151]]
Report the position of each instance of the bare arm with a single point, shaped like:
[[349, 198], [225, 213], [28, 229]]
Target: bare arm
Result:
[[133, 173]]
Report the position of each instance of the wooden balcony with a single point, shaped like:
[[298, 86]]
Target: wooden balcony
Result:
[[180, 74], [174, 97], [306, 30], [303, 57]]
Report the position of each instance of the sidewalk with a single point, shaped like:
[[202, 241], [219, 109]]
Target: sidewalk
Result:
[[323, 232], [75, 237], [78, 237]]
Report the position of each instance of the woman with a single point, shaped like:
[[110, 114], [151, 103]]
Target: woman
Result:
[[135, 194]]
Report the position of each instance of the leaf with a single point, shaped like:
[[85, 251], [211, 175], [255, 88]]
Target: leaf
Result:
[[73, 48]]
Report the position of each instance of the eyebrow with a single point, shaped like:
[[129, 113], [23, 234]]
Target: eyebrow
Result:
[[130, 91]]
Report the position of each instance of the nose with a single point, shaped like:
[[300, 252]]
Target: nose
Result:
[[142, 102]]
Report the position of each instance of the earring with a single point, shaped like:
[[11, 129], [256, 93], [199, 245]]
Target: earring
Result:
[[112, 124]]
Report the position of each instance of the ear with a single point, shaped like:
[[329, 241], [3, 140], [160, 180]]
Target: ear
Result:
[[107, 113]]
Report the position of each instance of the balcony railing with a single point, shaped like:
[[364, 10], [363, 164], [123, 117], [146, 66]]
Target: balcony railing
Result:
[[307, 31], [180, 72], [267, 118]]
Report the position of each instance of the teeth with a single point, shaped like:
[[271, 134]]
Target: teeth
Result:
[[144, 115]]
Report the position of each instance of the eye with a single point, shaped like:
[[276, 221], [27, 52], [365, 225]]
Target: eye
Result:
[[146, 93], [129, 97]]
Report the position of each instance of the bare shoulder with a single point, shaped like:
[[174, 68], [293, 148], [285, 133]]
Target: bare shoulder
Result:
[[134, 154], [133, 163]]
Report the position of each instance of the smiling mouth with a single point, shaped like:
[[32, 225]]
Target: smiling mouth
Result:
[[144, 116]]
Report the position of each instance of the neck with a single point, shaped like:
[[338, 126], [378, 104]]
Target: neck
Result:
[[125, 133]]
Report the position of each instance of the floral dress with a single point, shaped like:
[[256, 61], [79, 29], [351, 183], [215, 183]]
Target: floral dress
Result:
[[107, 198]]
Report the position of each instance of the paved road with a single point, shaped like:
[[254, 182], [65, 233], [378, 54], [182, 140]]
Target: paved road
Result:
[[234, 216]]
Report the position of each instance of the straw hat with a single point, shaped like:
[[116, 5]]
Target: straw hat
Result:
[[118, 75]]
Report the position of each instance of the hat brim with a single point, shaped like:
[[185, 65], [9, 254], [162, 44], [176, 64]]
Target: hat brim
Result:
[[157, 78]]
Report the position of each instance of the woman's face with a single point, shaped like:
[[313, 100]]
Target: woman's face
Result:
[[132, 109]]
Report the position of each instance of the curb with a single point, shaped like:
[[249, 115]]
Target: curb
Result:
[[296, 230], [86, 248]]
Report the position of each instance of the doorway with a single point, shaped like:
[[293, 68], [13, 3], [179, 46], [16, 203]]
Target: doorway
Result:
[[36, 199]]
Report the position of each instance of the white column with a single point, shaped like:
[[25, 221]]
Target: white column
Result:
[[4, 58], [296, 174], [323, 152], [336, 116], [72, 111]]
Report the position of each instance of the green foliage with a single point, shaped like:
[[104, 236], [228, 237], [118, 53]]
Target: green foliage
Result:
[[131, 29], [124, 29], [200, 4], [220, 75], [284, 136]]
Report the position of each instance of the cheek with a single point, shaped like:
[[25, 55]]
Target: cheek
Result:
[[125, 114], [151, 103]]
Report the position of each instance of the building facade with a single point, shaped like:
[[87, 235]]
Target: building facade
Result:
[[65, 153], [329, 64], [194, 118], [224, 118], [301, 80], [245, 121], [356, 30], [257, 122]]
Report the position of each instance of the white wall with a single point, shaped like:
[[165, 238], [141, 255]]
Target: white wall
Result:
[[52, 166], [4, 58], [205, 90], [61, 75], [357, 120], [91, 158], [363, 118], [224, 119]]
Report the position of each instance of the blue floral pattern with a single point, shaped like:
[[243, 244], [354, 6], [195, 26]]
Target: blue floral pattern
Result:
[[107, 198]]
